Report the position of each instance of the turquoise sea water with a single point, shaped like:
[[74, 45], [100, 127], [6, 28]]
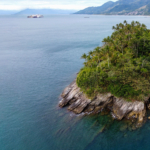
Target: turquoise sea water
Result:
[[38, 59]]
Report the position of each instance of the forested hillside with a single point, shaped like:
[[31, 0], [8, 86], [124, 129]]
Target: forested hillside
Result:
[[121, 7]]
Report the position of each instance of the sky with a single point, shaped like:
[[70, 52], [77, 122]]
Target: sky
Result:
[[53, 4]]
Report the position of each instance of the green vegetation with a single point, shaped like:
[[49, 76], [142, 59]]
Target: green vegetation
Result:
[[120, 7], [121, 66]]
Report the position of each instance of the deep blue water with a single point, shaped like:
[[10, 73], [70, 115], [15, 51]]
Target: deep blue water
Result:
[[38, 59]]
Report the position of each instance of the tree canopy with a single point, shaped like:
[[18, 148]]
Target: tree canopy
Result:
[[121, 66]]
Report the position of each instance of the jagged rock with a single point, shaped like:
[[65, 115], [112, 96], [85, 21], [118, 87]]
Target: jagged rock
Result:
[[81, 107], [107, 100], [74, 105], [69, 93], [89, 109], [101, 99], [73, 96], [66, 91], [98, 109], [84, 103], [62, 103], [139, 115], [121, 108], [72, 101], [72, 93]]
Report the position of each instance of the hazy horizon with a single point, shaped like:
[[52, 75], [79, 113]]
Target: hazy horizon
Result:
[[18, 5]]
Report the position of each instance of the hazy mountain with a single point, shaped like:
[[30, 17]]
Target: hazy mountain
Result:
[[44, 11], [121, 7], [7, 12], [96, 10]]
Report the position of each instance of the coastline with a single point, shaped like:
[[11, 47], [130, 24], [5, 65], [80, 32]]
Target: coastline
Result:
[[112, 15], [77, 102]]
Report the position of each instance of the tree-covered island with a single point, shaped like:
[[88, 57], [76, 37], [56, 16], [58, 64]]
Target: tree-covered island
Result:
[[115, 77], [121, 66]]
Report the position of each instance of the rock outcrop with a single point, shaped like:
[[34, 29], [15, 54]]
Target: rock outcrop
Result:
[[75, 98], [77, 102], [122, 108]]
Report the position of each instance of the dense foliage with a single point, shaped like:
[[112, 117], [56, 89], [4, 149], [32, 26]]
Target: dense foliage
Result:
[[121, 66]]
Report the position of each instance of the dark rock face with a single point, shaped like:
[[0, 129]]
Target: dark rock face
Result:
[[89, 109], [77, 102]]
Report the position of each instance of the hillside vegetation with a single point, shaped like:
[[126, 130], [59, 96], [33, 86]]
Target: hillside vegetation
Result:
[[121, 7], [121, 66]]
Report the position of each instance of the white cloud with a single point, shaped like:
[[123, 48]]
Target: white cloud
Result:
[[54, 4], [10, 7]]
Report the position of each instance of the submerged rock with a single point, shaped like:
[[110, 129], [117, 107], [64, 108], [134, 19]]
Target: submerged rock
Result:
[[123, 127]]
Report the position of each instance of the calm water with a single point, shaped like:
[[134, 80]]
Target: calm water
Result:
[[38, 59]]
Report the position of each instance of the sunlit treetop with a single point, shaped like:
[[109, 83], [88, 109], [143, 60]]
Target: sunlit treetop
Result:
[[121, 66]]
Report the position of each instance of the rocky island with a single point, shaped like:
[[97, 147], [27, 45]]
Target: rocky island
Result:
[[115, 77]]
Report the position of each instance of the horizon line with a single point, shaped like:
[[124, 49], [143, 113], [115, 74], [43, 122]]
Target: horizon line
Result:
[[37, 8]]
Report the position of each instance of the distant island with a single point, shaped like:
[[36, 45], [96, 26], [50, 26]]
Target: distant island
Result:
[[120, 7], [35, 16], [115, 77]]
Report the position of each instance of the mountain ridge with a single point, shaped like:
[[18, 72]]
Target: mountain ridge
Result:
[[120, 7]]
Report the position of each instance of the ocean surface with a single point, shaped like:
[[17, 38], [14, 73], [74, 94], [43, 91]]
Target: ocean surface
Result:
[[38, 59]]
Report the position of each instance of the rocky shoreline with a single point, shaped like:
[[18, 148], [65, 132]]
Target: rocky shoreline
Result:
[[77, 102]]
